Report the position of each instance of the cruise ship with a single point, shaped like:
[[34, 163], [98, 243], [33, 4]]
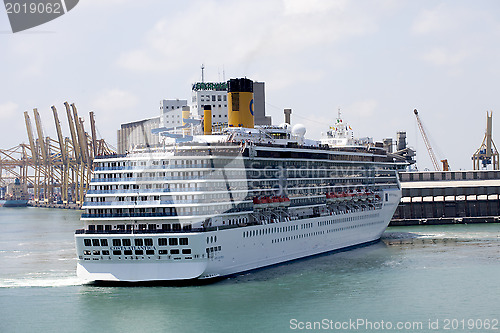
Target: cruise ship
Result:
[[209, 204]]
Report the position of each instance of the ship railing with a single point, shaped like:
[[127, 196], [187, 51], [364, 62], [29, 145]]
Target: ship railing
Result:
[[133, 179], [130, 203], [162, 214], [152, 167], [135, 231], [128, 191]]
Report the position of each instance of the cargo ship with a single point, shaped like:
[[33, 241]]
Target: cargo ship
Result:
[[204, 205], [16, 195]]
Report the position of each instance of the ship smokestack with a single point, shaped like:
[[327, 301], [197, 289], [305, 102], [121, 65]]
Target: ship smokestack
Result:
[[240, 103], [186, 113], [207, 120], [401, 140], [288, 112]]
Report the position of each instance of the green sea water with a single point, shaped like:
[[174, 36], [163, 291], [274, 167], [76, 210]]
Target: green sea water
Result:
[[417, 279]]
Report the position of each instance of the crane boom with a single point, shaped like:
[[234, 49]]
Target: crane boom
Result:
[[427, 143]]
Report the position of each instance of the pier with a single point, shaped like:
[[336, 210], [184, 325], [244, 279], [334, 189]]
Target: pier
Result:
[[448, 197]]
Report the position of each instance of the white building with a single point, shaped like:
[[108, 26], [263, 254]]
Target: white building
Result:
[[171, 112], [210, 93]]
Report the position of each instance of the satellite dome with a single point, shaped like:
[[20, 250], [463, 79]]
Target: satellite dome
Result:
[[299, 130]]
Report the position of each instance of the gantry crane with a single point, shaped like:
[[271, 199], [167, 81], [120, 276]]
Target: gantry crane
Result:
[[435, 164], [54, 167], [487, 152]]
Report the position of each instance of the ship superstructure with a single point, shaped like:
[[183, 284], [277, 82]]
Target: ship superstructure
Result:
[[221, 203]]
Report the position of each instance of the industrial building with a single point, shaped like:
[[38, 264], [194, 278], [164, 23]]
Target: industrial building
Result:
[[438, 197], [137, 133]]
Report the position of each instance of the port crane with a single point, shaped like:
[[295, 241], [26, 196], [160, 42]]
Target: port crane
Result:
[[487, 153], [435, 164]]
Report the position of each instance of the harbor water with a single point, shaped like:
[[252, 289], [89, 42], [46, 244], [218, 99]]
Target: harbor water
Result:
[[417, 279]]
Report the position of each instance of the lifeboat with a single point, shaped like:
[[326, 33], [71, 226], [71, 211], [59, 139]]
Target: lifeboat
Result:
[[274, 201], [260, 203], [285, 202]]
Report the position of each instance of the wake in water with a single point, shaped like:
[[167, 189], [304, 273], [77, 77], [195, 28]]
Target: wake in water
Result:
[[42, 282]]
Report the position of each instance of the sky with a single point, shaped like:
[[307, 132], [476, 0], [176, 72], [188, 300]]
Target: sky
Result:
[[375, 60]]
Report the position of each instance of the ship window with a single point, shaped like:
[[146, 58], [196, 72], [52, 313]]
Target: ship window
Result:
[[139, 252], [126, 242], [91, 227], [87, 242], [117, 242], [163, 252], [127, 252], [162, 241], [138, 242], [183, 241], [186, 251], [150, 252], [96, 252], [95, 242], [104, 242], [86, 252], [172, 241], [176, 226], [165, 227], [117, 253], [148, 242], [105, 252], [174, 251], [120, 227]]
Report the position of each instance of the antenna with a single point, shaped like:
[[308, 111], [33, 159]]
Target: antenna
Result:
[[202, 73]]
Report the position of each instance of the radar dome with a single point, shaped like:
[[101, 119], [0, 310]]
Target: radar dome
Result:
[[299, 130]]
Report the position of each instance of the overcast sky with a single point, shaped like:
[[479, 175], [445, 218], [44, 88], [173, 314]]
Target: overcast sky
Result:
[[375, 60]]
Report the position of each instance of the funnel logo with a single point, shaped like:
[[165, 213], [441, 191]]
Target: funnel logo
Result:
[[26, 14]]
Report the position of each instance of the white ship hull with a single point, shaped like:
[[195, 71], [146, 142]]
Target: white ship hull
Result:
[[235, 250]]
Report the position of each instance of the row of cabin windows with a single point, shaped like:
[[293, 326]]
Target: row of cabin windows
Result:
[[271, 230], [123, 227], [347, 219], [137, 242], [136, 252], [284, 239]]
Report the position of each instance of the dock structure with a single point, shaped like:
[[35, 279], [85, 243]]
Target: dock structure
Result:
[[444, 197], [57, 171]]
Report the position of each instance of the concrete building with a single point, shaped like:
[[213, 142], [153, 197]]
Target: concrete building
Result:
[[171, 112], [137, 133], [259, 102]]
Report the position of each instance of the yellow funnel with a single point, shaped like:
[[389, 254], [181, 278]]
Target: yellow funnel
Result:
[[240, 103], [207, 119]]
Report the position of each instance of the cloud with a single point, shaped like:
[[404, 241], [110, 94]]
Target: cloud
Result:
[[440, 19], [362, 109], [8, 111], [440, 56], [239, 33], [115, 100]]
